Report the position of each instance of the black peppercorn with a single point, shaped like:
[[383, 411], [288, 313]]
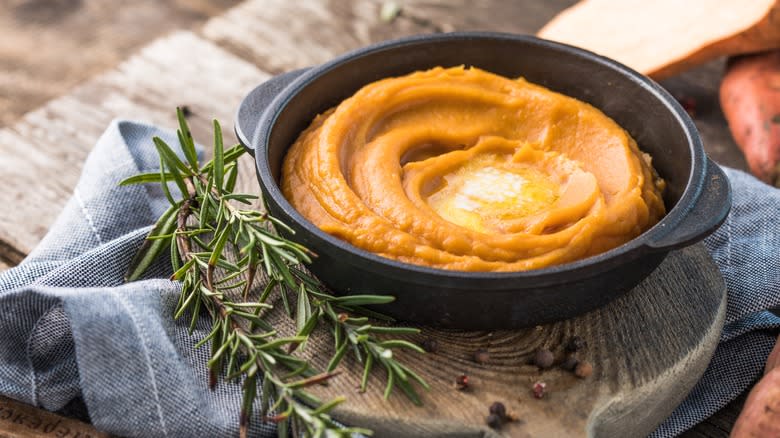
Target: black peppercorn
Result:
[[494, 421], [498, 408], [544, 358], [430, 345], [575, 344], [570, 362]]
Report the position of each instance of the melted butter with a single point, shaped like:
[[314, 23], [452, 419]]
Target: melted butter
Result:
[[485, 192]]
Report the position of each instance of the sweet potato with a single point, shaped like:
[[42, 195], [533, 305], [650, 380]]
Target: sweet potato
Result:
[[750, 99], [760, 416], [773, 361], [663, 37]]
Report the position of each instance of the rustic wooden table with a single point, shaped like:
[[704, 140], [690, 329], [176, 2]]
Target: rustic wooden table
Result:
[[211, 68]]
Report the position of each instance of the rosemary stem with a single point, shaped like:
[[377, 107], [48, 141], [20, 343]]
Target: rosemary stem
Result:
[[217, 228]]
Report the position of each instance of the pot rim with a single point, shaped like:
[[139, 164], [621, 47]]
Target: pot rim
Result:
[[563, 273]]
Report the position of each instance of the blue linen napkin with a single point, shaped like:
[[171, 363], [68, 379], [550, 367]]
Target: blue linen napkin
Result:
[[72, 328]]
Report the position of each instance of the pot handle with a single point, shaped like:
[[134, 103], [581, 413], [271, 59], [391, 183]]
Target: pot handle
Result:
[[253, 105], [707, 212]]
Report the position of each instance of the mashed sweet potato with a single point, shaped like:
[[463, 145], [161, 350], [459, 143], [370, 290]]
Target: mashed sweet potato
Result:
[[463, 169]]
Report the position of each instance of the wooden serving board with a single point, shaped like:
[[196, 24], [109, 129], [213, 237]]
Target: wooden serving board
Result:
[[648, 349]]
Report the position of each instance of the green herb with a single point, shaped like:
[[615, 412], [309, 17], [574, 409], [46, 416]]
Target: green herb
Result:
[[216, 250]]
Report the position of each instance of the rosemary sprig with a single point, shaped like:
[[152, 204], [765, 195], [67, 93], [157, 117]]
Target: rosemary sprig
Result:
[[216, 250]]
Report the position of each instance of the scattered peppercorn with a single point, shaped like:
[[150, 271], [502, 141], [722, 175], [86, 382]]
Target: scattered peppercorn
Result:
[[544, 358], [430, 345], [494, 421], [461, 382], [570, 363], [499, 409], [481, 356], [583, 369], [576, 344], [539, 389]]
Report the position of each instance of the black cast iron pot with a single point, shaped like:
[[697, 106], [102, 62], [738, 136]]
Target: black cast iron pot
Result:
[[698, 196]]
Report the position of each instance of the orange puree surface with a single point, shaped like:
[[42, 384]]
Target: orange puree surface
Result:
[[465, 170]]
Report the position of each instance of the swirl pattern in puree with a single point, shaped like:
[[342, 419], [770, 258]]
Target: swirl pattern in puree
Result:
[[463, 169]]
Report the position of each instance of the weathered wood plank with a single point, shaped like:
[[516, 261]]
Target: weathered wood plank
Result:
[[47, 47], [43, 153], [264, 32], [280, 35], [492, 15], [18, 420], [647, 350]]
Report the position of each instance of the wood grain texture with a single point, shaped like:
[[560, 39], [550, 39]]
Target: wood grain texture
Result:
[[18, 420], [491, 15], [44, 152], [48, 46], [648, 349], [265, 31], [281, 35]]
